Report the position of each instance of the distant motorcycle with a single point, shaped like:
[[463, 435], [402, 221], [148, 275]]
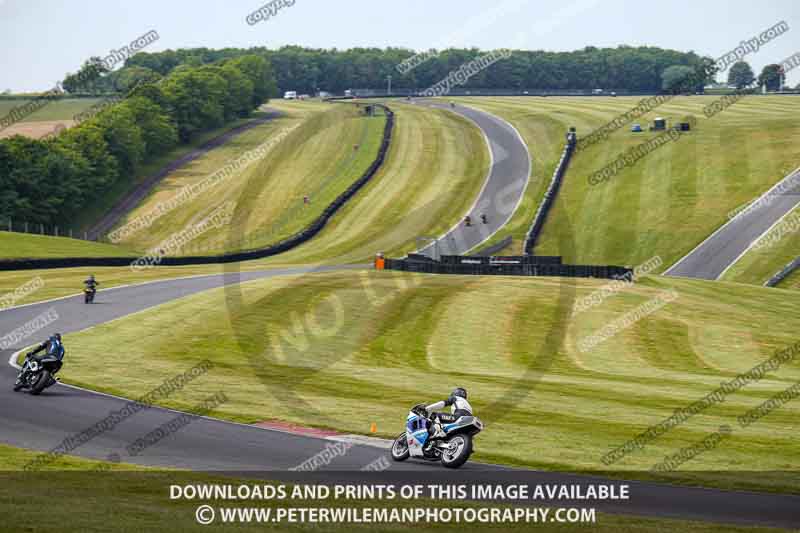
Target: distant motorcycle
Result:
[[37, 375], [88, 295], [453, 450]]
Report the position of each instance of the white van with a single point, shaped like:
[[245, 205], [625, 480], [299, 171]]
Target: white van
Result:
[[290, 95]]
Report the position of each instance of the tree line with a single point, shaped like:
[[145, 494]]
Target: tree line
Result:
[[50, 181], [171, 96], [309, 69], [772, 76]]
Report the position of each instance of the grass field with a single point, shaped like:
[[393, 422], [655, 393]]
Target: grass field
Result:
[[24, 245], [111, 197], [669, 201], [125, 498], [48, 119], [253, 179], [57, 110], [436, 167], [318, 349]]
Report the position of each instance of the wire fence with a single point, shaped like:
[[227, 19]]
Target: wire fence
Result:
[[38, 228]]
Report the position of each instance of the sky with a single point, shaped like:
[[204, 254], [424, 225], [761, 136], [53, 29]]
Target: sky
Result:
[[42, 40]]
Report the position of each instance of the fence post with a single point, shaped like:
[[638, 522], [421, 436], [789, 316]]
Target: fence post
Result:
[[26, 226], [10, 225], [56, 231], [41, 228], [70, 233]]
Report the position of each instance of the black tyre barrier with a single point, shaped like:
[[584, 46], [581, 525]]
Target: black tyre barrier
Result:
[[783, 274], [509, 269], [287, 244], [550, 196]]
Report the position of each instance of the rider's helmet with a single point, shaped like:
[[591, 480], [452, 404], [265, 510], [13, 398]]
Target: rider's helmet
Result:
[[56, 337], [91, 277], [461, 393]]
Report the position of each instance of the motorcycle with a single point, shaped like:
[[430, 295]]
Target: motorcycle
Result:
[[89, 295], [37, 375], [453, 449]]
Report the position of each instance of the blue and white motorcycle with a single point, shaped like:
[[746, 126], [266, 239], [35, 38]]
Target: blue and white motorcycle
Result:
[[453, 449]]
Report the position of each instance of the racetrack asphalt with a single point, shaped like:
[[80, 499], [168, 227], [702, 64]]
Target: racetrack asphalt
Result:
[[43, 422], [502, 191], [720, 251]]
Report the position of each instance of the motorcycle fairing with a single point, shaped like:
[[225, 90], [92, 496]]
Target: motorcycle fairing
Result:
[[416, 434]]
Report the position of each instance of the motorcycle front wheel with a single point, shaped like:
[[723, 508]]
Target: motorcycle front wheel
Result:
[[400, 448], [457, 452]]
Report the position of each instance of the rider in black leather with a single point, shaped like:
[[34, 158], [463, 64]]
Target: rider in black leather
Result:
[[91, 283], [53, 346]]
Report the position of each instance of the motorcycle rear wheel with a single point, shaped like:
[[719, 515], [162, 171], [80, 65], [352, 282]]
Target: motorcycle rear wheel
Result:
[[41, 383], [458, 451]]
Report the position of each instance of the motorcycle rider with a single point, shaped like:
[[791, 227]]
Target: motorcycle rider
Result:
[[91, 283], [91, 289], [53, 346], [459, 406]]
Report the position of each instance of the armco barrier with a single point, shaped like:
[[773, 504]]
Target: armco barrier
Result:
[[295, 240], [508, 268], [550, 195], [785, 271]]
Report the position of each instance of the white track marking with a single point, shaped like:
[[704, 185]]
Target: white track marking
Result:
[[742, 213], [489, 175]]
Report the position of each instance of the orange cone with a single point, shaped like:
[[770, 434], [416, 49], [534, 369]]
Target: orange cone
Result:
[[373, 428]]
